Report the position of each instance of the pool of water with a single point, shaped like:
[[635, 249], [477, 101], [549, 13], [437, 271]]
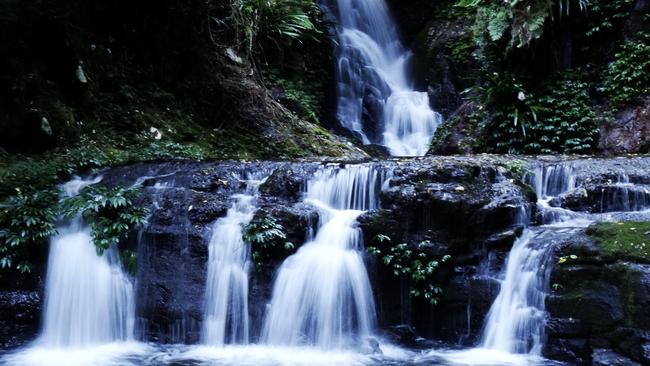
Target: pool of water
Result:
[[134, 353]]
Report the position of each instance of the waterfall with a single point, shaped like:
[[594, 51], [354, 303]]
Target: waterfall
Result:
[[88, 299], [372, 78], [552, 180], [322, 294], [226, 298], [516, 320]]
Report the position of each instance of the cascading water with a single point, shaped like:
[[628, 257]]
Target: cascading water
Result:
[[516, 320], [88, 299], [322, 295], [226, 298], [372, 76]]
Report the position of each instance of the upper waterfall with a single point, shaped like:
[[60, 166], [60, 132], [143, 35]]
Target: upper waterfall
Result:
[[372, 78]]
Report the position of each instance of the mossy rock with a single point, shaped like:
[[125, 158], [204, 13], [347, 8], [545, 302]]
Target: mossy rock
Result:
[[623, 240]]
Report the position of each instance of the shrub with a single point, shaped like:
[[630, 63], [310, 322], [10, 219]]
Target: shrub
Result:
[[266, 237], [519, 21], [26, 218], [511, 112], [568, 123], [559, 120], [111, 213], [269, 23], [628, 77], [416, 264]]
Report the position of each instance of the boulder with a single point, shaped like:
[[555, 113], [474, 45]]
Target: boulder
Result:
[[21, 315]]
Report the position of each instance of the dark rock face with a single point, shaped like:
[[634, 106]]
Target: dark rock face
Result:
[[21, 315], [435, 200], [457, 205], [598, 308], [629, 132], [471, 208]]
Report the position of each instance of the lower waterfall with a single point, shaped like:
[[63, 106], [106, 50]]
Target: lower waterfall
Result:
[[322, 295], [88, 299], [516, 320], [317, 307], [226, 297]]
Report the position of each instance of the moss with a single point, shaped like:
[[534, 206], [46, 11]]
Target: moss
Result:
[[442, 134], [461, 49], [623, 240], [630, 285]]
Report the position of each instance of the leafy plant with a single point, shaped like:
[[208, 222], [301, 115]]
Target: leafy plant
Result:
[[559, 120], [266, 236], [512, 111], [272, 22], [568, 123], [518, 168], [417, 264], [26, 218], [129, 260], [111, 213], [517, 21], [304, 90], [628, 76], [607, 14]]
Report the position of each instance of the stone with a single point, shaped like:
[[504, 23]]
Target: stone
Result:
[[607, 357], [20, 317]]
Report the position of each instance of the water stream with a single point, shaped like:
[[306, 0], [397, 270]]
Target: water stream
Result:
[[88, 299], [373, 83], [226, 318], [322, 294]]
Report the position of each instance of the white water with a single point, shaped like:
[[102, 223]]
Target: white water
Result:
[[372, 75], [88, 299], [516, 320], [322, 295], [226, 298]]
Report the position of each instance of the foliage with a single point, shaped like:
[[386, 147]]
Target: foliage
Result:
[[512, 111], [26, 218], [517, 21], [559, 120], [266, 236], [628, 77], [129, 260], [111, 213], [517, 168], [567, 258], [568, 123], [416, 264], [461, 49], [623, 240], [266, 23], [605, 14], [305, 90]]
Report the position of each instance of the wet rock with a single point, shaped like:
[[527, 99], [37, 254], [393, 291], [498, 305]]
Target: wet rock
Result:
[[607, 357], [576, 351], [207, 208], [504, 239], [566, 328], [461, 313], [285, 183], [598, 305], [21, 314], [601, 299], [402, 334], [633, 343], [628, 133]]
